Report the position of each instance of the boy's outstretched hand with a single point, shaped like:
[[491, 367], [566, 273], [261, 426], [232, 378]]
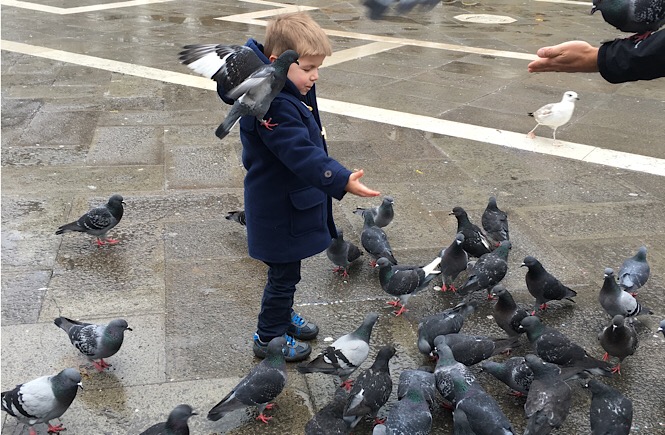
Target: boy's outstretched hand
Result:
[[357, 188]]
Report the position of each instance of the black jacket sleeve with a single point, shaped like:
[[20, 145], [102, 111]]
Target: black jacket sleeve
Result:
[[624, 60]]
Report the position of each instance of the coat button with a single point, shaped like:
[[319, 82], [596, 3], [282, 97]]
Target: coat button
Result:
[[327, 174]]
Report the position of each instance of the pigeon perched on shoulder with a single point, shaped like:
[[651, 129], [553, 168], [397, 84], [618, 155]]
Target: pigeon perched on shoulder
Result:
[[634, 272], [619, 339], [506, 312], [488, 271], [382, 214], [447, 368], [446, 322], [410, 415], [176, 424], [513, 372], [421, 378], [96, 342], [403, 281], [549, 399], [475, 243], [342, 253], [616, 301], [371, 389], [98, 221], [237, 216], [543, 285], [43, 399], [553, 346], [611, 412], [345, 354], [250, 82], [330, 419], [454, 260], [554, 115], [472, 349], [261, 385], [495, 222], [375, 241], [635, 16]]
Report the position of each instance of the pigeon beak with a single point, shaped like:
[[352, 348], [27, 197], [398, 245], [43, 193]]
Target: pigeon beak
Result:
[[523, 264], [194, 413], [593, 10], [451, 213], [128, 329], [80, 385]]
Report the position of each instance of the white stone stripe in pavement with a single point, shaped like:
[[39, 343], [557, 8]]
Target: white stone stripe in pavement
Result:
[[79, 9], [494, 136]]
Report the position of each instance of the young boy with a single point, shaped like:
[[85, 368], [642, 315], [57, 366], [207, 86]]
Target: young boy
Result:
[[290, 181]]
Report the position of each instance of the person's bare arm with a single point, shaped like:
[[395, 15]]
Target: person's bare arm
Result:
[[571, 56]]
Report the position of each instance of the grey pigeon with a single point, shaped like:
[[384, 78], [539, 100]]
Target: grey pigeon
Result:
[[554, 115], [634, 272], [619, 339], [513, 372], [554, 347], [43, 399], [345, 354], [261, 385], [403, 281], [423, 379], [475, 243], [408, 416], [543, 285], [98, 221], [638, 16], [237, 216], [447, 368], [488, 271], [377, 8], [176, 424], [610, 412], [454, 260], [616, 301], [549, 399], [375, 241], [446, 322], [330, 419], [661, 327], [507, 313], [382, 214], [96, 342], [342, 253], [495, 222], [250, 82], [472, 349], [371, 389]]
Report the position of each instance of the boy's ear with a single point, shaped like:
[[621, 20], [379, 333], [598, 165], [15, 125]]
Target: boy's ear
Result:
[[272, 58]]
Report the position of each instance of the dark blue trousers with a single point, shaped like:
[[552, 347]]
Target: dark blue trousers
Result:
[[277, 302]]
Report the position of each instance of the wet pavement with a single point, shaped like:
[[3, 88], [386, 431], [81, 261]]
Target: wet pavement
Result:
[[94, 102]]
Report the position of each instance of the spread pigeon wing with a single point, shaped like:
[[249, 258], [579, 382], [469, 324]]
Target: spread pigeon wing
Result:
[[229, 65]]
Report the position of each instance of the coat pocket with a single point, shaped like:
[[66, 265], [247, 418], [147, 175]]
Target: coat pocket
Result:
[[307, 210]]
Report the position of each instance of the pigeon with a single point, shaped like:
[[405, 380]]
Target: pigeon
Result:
[[446, 322], [98, 221], [495, 222], [375, 241], [549, 399], [330, 419], [616, 301], [543, 285], [371, 389], [619, 340], [96, 342], [610, 412], [263, 383], [250, 82], [475, 243], [513, 372], [342, 253], [403, 281], [377, 8], [661, 327], [383, 214], [634, 272], [638, 16], [237, 216], [409, 416], [488, 271], [447, 368], [345, 354], [554, 115], [454, 260], [422, 378], [506, 312], [472, 349], [554, 347], [43, 399], [476, 411], [176, 424]]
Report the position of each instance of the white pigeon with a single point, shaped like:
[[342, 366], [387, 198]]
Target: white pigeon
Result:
[[554, 115]]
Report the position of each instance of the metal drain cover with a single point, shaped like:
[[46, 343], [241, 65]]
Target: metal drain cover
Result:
[[485, 19]]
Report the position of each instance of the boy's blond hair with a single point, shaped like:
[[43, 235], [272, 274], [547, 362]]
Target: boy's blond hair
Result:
[[297, 31]]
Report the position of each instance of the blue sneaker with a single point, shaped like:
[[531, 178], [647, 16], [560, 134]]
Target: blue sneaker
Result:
[[294, 350], [301, 328]]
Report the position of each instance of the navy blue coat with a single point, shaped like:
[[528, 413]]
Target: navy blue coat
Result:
[[290, 178]]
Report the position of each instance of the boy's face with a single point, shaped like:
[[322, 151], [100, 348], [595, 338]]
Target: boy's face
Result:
[[305, 72]]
